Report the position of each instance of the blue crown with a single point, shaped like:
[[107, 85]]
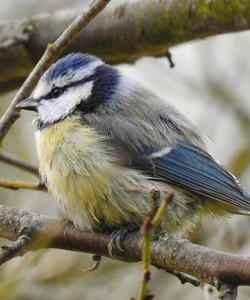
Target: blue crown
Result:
[[69, 63]]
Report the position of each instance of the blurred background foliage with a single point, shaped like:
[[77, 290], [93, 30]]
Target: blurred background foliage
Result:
[[210, 85]]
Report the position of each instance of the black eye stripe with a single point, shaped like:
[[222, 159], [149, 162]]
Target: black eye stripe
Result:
[[58, 91], [55, 93]]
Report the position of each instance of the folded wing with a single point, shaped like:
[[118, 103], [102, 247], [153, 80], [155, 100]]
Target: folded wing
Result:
[[192, 168]]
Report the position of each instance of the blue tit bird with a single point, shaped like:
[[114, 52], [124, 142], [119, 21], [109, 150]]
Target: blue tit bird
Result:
[[104, 141]]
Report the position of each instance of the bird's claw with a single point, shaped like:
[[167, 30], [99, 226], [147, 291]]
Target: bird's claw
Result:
[[97, 260], [117, 236]]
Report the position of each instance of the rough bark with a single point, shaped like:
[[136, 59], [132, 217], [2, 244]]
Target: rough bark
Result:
[[121, 33], [32, 231]]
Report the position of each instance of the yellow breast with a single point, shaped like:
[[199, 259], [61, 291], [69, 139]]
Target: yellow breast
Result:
[[77, 169]]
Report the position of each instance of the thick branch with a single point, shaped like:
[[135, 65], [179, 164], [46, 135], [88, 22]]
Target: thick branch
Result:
[[122, 33], [214, 267]]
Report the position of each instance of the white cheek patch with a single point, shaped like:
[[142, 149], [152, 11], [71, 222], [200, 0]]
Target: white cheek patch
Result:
[[56, 109]]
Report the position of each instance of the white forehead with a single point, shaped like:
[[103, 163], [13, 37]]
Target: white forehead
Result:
[[44, 86]]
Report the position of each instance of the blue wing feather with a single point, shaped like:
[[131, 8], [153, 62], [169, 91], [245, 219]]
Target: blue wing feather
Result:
[[247, 196], [192, 168]]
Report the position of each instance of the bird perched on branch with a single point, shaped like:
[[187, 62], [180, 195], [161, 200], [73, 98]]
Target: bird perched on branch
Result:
[[104, 141]]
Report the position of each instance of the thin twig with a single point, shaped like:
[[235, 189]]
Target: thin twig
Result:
[[146, 259], [19, 184], [169, 57], [185, 278], [17, 248], [19, 164], [51, 54], [159, 214], [148, 229], [155, 196]]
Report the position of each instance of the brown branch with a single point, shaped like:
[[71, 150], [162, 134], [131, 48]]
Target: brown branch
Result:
[[123, 32], [214, 267], [51, 54], [19, 164], [19, 184]]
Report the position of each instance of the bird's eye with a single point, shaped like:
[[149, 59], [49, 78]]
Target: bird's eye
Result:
[[56, 92]]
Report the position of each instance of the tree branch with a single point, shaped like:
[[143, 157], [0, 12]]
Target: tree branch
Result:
[[32, 232], [20, 184], [20, 164], [121, 33], [51, 54]]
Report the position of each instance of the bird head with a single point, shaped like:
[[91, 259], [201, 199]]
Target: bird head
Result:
[[75, 84]]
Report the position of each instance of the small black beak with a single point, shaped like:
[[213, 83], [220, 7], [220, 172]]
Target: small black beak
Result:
[[28, 104]]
